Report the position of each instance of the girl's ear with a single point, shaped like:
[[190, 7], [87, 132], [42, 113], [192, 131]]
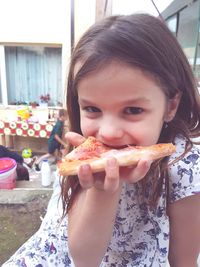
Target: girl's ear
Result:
[[172, 107]]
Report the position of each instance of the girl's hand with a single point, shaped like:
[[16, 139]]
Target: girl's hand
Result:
[[107, 181], [133, 174], [74, 138], [113, 175]]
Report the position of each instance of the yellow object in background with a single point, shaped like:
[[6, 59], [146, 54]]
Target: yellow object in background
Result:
[[26, 153], [23, 112]]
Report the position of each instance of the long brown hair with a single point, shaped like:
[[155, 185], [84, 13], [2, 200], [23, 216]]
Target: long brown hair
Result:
[[141, 41]]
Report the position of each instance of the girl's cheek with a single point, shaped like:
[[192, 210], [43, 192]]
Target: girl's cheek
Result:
[[88, 127]]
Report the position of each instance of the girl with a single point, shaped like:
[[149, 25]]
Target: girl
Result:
[[129, 84]]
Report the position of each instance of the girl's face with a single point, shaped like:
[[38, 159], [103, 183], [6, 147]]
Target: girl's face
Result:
[[120, 105]]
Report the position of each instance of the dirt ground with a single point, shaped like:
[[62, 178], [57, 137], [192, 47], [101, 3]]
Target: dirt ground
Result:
[[18, 222]]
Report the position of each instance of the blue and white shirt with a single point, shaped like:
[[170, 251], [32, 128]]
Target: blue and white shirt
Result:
[[140, 234]]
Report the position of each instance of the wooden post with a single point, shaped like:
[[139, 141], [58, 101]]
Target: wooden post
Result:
[[103, 9], [2, 140]]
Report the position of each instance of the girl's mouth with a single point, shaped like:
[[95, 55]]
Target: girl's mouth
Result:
[[117, 146]]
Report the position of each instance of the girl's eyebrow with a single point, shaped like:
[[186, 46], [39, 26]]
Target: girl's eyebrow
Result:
[[136, 100], [84, 102]]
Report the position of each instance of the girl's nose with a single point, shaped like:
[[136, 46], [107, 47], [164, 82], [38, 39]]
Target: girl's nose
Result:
[[110, 130]]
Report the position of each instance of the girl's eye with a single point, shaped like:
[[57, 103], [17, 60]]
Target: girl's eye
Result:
[[91, 109], [133, 110]]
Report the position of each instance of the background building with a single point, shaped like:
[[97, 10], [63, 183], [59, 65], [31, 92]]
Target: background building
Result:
[[183, 18], [36, 37], [35, 47]]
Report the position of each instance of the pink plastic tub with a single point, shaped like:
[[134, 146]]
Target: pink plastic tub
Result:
[[8, 173]]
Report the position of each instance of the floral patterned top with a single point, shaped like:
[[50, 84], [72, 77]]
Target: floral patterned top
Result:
[[140, 235]]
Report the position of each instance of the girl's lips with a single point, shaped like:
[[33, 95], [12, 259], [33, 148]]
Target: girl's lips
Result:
[[117, 146]]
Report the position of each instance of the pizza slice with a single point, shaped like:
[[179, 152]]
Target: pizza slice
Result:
[[96, 154]]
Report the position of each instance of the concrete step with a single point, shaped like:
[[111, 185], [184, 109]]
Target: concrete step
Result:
[[23, 195]]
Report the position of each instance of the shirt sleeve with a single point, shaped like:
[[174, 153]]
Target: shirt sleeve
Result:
[[184, 175]]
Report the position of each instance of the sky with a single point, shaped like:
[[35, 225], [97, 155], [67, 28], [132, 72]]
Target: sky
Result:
[[131, 6]]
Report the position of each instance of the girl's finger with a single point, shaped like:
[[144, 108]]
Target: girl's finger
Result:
[[111, 182], [99, 179], [138, 172], [74, 138], [85, 176]]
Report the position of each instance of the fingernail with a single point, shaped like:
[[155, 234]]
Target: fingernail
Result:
[[84, 168]]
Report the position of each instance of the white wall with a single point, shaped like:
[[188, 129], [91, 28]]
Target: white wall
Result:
[[43, 21], [34, 21]]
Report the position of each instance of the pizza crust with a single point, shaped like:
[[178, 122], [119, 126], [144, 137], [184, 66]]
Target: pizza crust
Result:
[[125, 157]]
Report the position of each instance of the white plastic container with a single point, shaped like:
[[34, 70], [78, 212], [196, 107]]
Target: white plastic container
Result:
[[45, 173]]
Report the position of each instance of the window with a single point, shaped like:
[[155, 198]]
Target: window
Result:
[[188, 29], [32, 71], [172, 24]]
